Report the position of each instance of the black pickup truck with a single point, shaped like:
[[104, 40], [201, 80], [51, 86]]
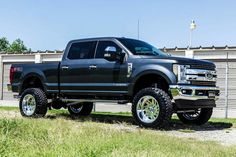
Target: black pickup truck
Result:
[[119, 70]]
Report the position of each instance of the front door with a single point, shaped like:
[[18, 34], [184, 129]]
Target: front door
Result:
[[109, 77]]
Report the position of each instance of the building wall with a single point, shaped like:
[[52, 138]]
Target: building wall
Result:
[[219, 57]]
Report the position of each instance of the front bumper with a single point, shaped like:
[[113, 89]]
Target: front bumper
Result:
[[187, 96]]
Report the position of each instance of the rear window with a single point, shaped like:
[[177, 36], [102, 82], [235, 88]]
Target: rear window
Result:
[[82, 50]]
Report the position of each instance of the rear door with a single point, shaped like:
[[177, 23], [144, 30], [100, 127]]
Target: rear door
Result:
[[74, 70]]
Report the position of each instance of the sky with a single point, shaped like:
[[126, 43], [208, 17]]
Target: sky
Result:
[[49, 25]]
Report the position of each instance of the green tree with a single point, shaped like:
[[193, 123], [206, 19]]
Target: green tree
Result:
[[4, 44], [17, 47]]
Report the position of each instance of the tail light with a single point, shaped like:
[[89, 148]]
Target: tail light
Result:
[[12, 71]]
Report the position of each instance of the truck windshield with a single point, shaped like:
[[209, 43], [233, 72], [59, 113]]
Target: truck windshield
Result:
[[138, 47]]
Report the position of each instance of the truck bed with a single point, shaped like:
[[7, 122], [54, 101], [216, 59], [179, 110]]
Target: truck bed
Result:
[[48, 73]]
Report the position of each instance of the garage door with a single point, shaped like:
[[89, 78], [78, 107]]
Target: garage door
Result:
[[221, 71], [7, 95]]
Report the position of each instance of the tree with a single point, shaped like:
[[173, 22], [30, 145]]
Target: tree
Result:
[[17, 47], [4, 44]]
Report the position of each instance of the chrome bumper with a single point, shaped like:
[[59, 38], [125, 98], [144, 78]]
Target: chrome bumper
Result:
[[185, 92]]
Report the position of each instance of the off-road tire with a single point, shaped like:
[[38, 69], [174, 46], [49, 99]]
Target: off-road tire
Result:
[[165, 107], [41, 102], [204, 116], [86, 110]]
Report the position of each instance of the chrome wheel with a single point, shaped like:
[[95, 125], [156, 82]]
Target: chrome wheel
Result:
[[28, 105], [76, 108], [147, 109], [192, 115]]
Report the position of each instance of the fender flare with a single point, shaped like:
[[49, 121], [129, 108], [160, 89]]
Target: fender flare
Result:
[[153, 69], [35, 75]]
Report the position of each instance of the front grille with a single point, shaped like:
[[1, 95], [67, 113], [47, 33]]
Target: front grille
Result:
[[203, 83], [203, 66]]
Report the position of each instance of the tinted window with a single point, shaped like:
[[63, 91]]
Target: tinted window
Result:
[[82, 50], [138, 47], [102, 45]]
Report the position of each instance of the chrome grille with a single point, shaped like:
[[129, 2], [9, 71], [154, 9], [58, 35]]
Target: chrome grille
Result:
[[201, 77]]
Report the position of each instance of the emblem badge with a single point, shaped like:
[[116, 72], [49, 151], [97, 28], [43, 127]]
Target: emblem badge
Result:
[[130, 68], [209, 75]]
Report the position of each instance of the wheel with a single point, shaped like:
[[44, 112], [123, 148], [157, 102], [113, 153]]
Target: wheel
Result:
[[33, 103], [81, 109], [152, 107], [199, 117]]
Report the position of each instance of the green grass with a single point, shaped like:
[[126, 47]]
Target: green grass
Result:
[[63, 111], [59, 135], [228, 120], [8, 108]]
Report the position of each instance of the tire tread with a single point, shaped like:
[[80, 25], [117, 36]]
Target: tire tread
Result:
[[166, 108], [41, 102]]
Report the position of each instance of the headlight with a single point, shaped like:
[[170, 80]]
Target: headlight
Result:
[[175, 69], [180, 72]]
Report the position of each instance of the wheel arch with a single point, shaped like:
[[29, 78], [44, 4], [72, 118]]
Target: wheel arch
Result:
[[146, 78], [32, 80]]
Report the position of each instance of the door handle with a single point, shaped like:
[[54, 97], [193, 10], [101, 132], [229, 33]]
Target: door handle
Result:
[[92, 67], [65, 67]]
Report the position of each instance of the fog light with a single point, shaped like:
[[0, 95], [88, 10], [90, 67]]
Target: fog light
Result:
[[186, 91]]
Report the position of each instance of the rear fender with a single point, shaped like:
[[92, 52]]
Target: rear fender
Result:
[[38, 75]]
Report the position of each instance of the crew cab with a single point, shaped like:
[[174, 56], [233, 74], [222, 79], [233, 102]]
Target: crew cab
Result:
[[121, 70]]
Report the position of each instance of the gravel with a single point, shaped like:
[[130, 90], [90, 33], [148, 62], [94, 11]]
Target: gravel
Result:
[[225, 137], [9, 114]]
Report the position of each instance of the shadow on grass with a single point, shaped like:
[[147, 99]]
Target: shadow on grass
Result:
[[114, 119], [209, 126]]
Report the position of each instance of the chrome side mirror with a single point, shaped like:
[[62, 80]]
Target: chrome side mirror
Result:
[[110, 53], [110, 49]]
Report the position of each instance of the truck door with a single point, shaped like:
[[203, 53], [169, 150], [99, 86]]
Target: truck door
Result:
[[74, 69], [109, 77]]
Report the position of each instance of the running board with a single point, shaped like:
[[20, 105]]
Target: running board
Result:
[[185, 111], [76, 101]]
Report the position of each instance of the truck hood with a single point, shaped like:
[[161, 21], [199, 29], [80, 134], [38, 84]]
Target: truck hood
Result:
[[179, 60]]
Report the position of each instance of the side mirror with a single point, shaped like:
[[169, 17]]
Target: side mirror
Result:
[[110, 53]]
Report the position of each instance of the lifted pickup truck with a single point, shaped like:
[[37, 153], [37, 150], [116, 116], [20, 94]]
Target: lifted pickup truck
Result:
[[119, 70]]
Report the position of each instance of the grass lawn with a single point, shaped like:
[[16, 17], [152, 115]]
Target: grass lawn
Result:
[[59, 135]]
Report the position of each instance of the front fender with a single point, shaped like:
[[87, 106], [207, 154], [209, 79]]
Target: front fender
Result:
[[154, 69], [165, 72]]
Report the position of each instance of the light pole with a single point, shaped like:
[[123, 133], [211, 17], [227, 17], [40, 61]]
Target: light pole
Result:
[[192, 27], [138, 28]]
